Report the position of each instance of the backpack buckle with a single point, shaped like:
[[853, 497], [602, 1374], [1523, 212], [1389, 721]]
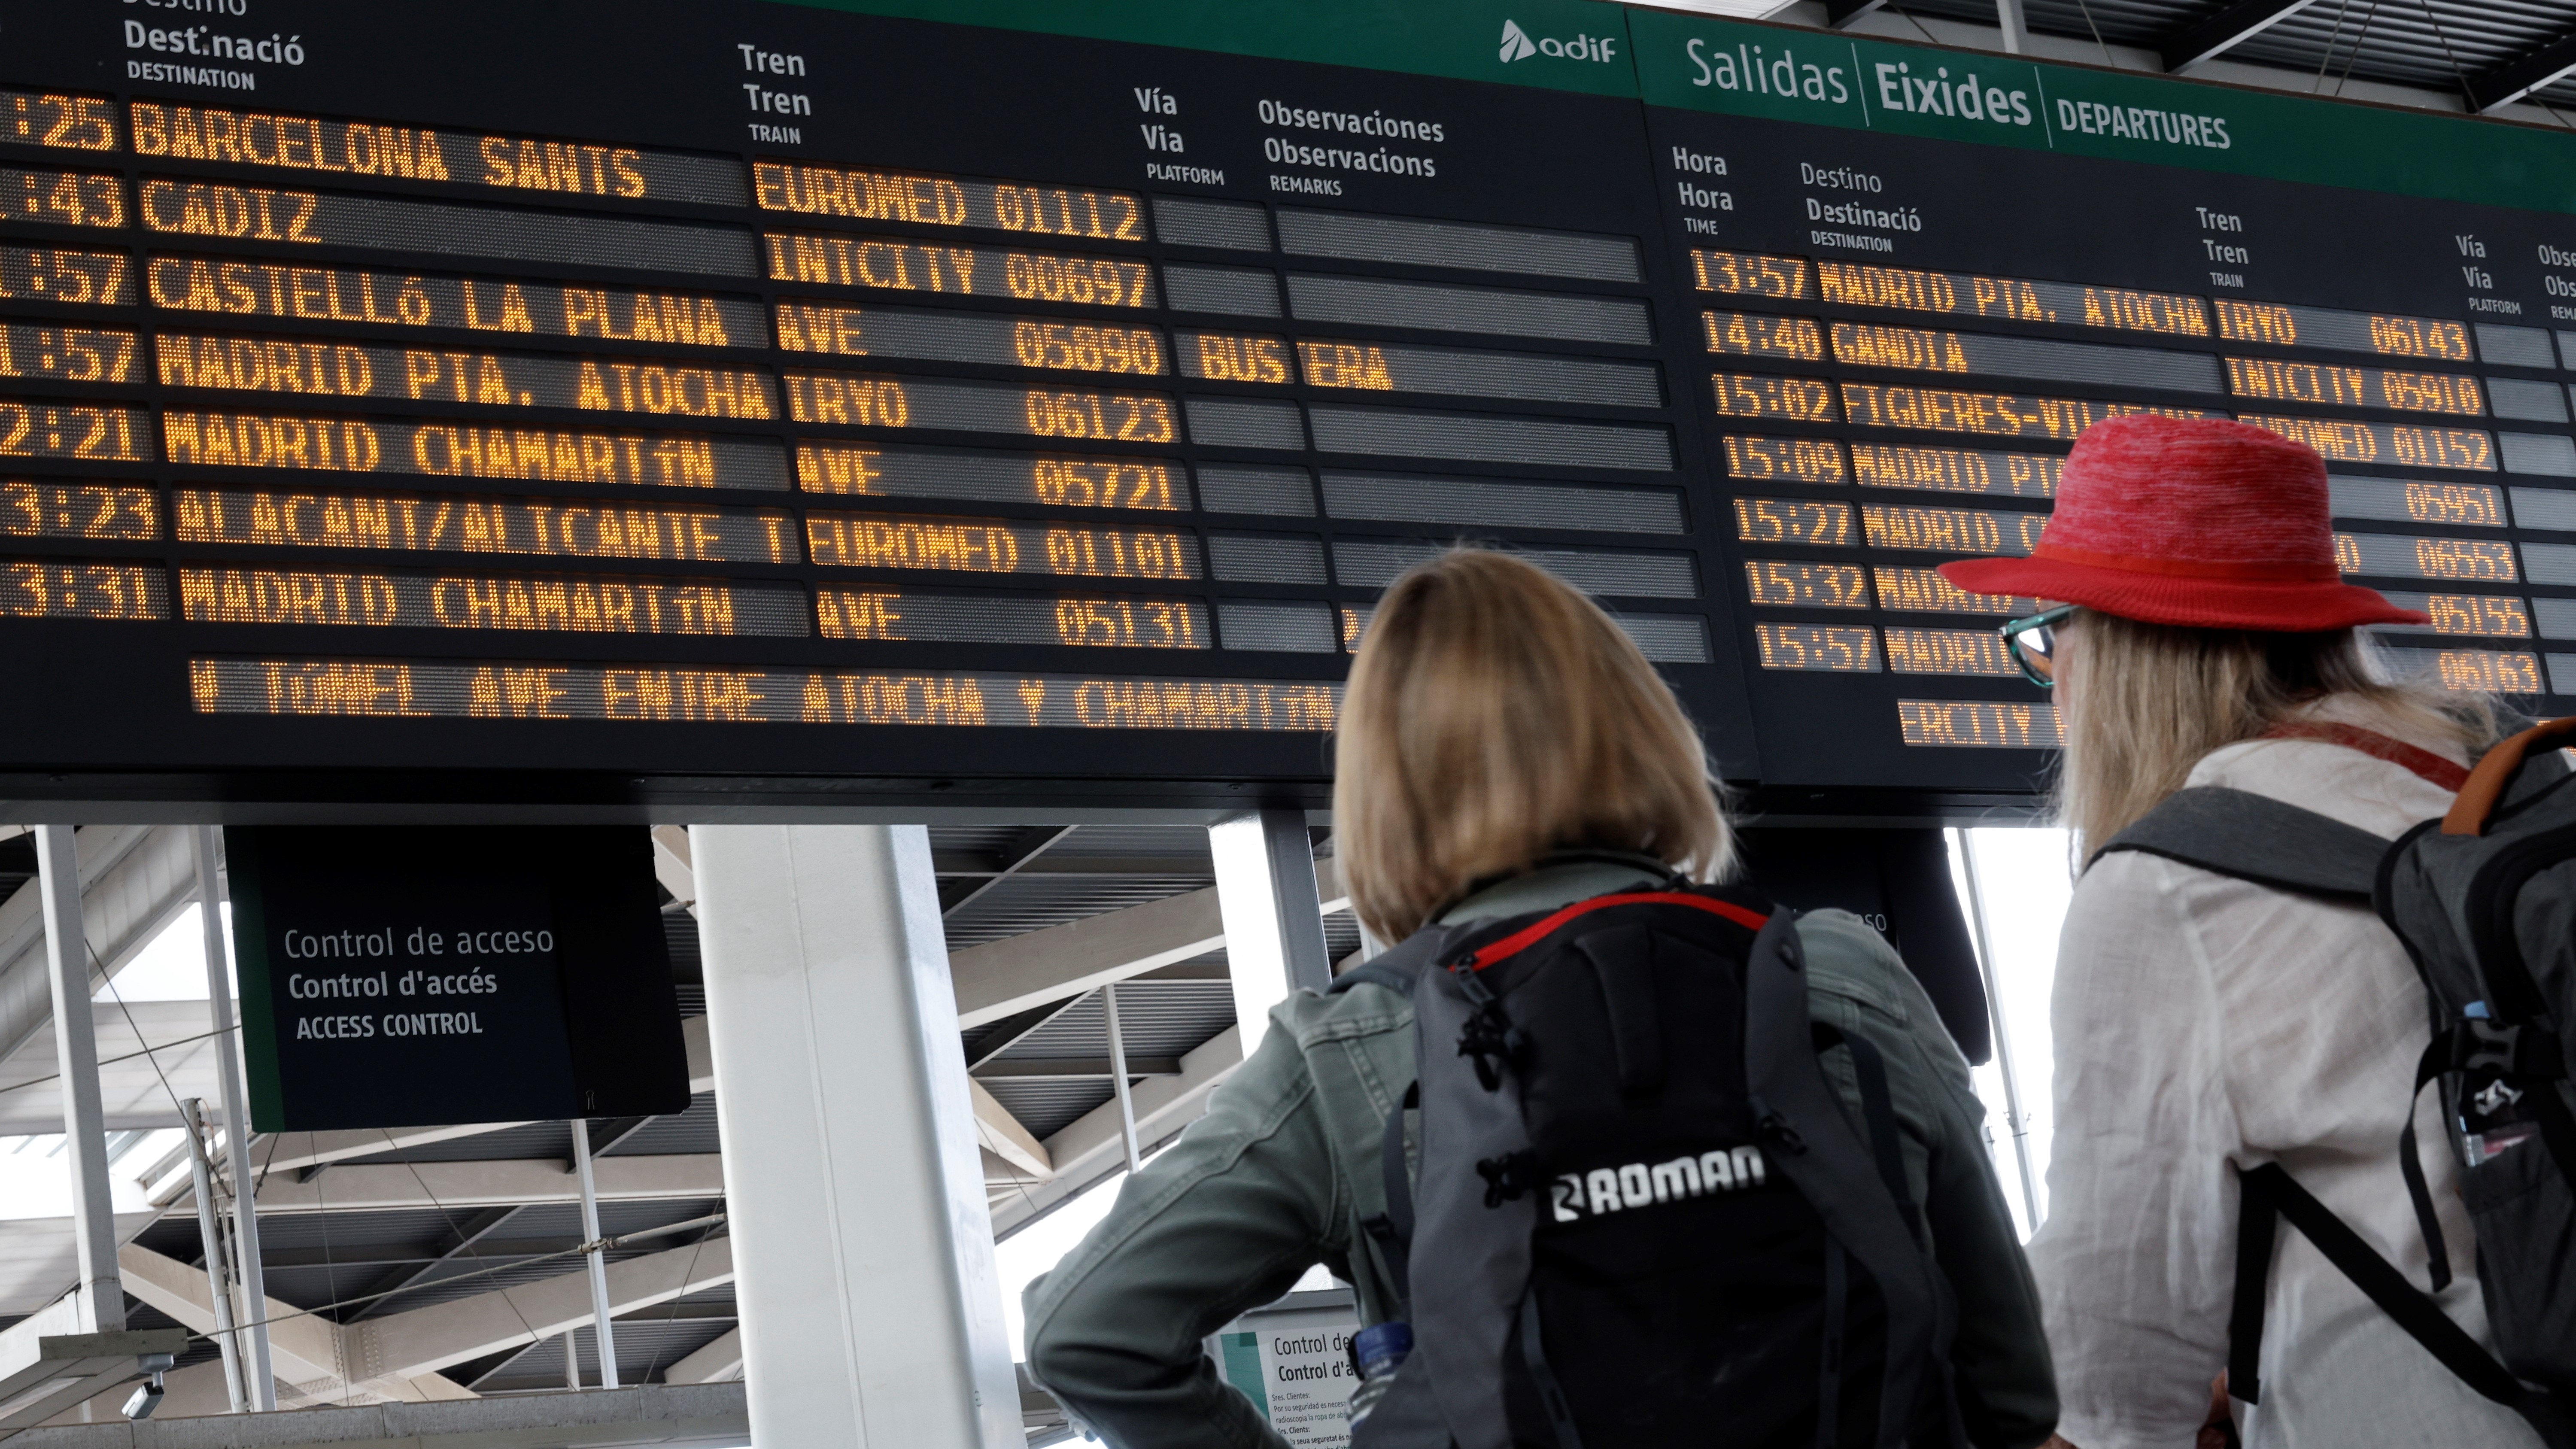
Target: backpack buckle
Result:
[[1768, 1121], [1493, 1042], [1489, 1036], [2527, 1052], [1508, 1176]]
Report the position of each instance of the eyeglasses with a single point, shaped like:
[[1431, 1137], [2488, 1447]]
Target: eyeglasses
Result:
[[2032, 642]]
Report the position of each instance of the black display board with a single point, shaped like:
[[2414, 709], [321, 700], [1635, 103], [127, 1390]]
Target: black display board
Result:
[[1898, 881], [588, 401], [412, 977]]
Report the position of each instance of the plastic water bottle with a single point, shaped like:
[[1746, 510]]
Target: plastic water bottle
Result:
[[1377, 1351]]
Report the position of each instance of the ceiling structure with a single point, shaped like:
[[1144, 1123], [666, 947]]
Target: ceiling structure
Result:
[[422, 1264], [2511, 58]]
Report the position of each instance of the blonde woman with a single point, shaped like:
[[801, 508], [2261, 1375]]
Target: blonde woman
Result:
[[1503, 751], [2203, 1024]]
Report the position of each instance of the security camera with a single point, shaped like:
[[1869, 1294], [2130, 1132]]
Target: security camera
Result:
[[145, 1399]]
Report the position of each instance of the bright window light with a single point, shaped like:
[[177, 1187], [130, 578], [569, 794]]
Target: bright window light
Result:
[[1037, 1248], [172, 965], [2024, 880]]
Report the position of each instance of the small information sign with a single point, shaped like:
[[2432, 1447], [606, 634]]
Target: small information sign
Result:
[[1293, 1360], [416, 976]]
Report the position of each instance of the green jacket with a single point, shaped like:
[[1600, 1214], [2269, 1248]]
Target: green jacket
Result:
[[1284, 1167]]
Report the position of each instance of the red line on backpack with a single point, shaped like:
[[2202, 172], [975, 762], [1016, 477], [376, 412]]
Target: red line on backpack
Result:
[[1528, 935]]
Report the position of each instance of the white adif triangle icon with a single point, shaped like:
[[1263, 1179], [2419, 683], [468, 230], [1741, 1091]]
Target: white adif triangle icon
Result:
[[1516, 45]]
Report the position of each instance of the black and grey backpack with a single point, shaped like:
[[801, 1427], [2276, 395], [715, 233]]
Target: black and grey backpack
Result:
[[1644, 1218], [2484, 900]]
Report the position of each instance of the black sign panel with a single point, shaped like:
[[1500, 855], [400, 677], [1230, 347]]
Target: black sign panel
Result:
[[409, 977], [1899, 882], [610, 400]]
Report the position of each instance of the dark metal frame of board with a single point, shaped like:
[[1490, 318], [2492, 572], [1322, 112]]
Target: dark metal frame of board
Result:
[[1741, 327]]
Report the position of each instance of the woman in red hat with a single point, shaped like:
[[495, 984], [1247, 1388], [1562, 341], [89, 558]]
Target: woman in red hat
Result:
[[2202, 1023]]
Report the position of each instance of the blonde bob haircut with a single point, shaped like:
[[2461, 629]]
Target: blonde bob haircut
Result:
[[1494, 714]]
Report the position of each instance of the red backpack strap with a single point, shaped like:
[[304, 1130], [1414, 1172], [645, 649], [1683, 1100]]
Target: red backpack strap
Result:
[[2432, 767], [1539, 930]]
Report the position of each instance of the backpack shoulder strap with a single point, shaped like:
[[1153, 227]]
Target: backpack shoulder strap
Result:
[[1808, 1140], [2257, 838], [1380, 972], [2268, 1192], [1399, 967], [2431, 767]]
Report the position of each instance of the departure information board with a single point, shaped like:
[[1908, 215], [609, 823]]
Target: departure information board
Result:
[[722, 396]]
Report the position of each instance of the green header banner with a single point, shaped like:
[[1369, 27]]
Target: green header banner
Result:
[[1692, 63], [1784, 73], [1566, 45]]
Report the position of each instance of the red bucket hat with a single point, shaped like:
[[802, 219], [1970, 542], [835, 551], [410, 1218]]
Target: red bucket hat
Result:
[[2204, 523]]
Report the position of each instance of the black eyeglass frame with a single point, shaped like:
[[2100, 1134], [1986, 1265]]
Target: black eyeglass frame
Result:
[[2014, 629]]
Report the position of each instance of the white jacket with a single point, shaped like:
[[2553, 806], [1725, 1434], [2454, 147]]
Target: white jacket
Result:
[[2203, 1024]]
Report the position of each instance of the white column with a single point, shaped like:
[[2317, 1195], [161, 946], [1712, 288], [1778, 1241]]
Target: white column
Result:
[[101, 1293], [1274, 921], [602, 1336], [232, 1093], [2016, 34], [863, 1247]]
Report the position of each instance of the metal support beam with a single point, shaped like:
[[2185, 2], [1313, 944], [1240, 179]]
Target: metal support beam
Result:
[[133, 877], [2016, 31], [719, 1360], [307, 1346], [603, 1336], [672, 868], [615, 1132], [462, 1239], [288, 1153], [2224, 31], [1089, 1149], [1118, 1078], [1027, 846], [1040, 968], [232, 1092], [218, 1281], [2501, 85], [47, 1367], [990, 1042], [872, 1314], [405, 1351], [1071, 1068], [1001, 1134], [1274, 913], [499, 1182], [101, 1297], [1839, 13]]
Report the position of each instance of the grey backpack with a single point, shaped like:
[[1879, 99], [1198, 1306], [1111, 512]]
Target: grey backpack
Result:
[[2484, 900], [1643, 1219]]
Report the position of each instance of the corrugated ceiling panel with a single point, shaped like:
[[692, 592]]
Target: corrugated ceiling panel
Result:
[[1025, 903], [1155, 1018], [1047, 1107]]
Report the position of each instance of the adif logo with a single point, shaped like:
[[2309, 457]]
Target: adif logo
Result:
[[1604, 1190], [1518, 46]]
